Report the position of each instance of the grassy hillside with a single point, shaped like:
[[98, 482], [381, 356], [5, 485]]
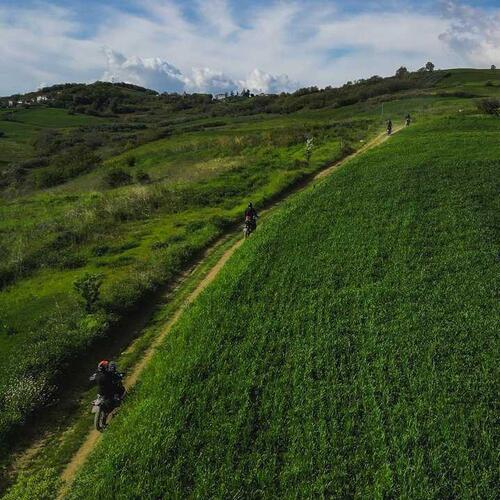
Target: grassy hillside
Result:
[[349, 349], [136, 236], [187, 165]]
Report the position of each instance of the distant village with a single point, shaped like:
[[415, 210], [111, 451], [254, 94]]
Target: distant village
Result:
[[14, 103]]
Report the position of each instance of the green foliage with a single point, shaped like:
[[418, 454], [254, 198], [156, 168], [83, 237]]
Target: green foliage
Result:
[[66, 165], [130, 161], [489, 106], [402, 73], [40, 485], [117, 177], [88, 286], [142, 177]]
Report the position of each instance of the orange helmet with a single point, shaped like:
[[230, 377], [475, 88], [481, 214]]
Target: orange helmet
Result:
[[103, 365]]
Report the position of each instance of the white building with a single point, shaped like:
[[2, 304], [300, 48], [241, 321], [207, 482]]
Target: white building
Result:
[[41, 98]]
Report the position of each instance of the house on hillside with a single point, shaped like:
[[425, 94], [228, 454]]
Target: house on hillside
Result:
[[10, 104], [219, 97], [41, 98]]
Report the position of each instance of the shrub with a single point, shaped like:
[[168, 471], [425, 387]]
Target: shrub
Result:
[[489, 106], [117, 177], [88, 286], [2, 133], [142, 177], [130, 161], [48, 178], [299, 164], [347, 149]]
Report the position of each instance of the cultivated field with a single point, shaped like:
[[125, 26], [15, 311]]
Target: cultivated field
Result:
[[349, 349]]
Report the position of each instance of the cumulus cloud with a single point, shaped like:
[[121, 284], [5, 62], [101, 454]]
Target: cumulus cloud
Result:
[[472, 33], [151, 72], [259, 81], [158, 74], [210, 81]]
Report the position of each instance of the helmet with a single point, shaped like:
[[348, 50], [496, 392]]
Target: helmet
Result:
[[112, 366], [103, 365]]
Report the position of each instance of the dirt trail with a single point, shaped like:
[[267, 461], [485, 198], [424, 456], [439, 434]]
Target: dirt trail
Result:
[[94, 436], [369, 145]]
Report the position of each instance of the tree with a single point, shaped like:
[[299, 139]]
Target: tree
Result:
[[429, 66], [88, 286], [493, 67], [402, 72]]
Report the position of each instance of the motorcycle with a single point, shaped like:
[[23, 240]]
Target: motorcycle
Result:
[[249, 226], [102, 407]]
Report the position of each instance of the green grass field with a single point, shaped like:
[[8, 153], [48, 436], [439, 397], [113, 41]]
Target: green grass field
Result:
[[136, 236], [350, 349], [23, 124]]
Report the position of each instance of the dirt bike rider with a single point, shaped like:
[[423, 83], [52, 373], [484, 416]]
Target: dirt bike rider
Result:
[[251, 216], [389, 126], [408, 120], [118, 388], [104, 380]]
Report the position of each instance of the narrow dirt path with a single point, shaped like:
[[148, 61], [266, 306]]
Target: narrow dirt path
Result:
[[369, 145], [94, 436]]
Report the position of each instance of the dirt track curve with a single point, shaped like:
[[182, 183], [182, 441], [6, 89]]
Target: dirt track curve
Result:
[[94, 436]]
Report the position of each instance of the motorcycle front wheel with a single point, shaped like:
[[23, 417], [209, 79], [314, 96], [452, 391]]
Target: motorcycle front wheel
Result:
[[100, 419]]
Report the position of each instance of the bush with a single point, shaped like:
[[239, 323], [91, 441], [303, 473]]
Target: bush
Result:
[[88, 286], [299, 164], [49, 178], [347, 149], [489, 106], [117, 177], [2, 133], [131, 161], [142, 177]]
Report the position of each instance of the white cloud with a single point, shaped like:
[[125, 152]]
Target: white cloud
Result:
[[151, 72], [311, 41], [210, 81], [158, 74], [473, 33], [217, 13], [259, 81]]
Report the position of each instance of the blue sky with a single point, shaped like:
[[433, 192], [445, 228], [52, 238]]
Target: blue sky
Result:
[[222, 45]]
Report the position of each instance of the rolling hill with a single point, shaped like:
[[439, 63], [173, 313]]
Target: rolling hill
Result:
[[347, 349]]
